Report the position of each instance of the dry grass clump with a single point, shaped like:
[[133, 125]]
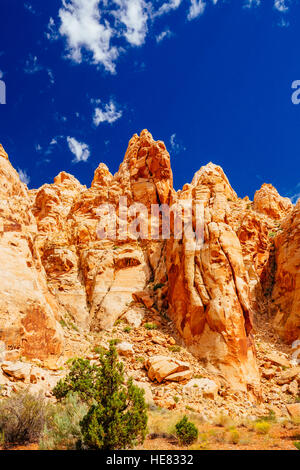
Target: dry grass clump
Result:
[[22, 418]]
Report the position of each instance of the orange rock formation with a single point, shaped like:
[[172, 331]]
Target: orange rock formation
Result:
[[54, 267]]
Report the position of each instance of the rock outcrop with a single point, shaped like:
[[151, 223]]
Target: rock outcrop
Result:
[[29, 313], [70, 259], [209, 296], [286, 291], [269, 202]]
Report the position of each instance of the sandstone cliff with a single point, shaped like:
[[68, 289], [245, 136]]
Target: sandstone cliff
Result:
[[56, 271]]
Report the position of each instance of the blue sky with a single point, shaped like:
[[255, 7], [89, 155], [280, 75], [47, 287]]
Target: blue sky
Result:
[[212, 79]]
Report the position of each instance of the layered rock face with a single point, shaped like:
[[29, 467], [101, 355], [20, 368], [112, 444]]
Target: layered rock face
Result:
[[209, 297], [28, 311], [286, 292], [57, 268]]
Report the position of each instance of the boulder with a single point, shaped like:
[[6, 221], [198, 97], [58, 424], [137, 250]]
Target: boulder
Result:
[[17, 370], [134, 317], [278, 360], [164, 368], [125, 349], [294, 410], [289, 375], [205, 387]]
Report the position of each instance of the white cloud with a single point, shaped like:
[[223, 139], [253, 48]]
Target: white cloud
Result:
[[108, 113], [281, 6], [81, 25], [251, 3], [296, 196], [31, 65], [164, 35], [30, 8], [283, 23], [51, 76], [23, 176], [167, 7], [176, 146], [79, 149], [52, 33], [197, 8], [134, 15]]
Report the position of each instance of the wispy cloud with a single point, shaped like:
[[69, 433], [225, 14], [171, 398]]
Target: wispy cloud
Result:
[[82, 26], [29, 8], [33, 66], [176, 145], [99, 31], [251, 3], [296, 196], [167, 7], [281, 5], [106, 113], [197, 8], [79, 149], [133, 14], [23, 176], [164, 35]]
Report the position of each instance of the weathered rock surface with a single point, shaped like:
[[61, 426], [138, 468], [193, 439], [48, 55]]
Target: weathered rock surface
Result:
[[55, 270], [286, 291], [166, 368], [206, 387], [209, 296], [294, 410], [17, 370], [269, 202], [28, 310]]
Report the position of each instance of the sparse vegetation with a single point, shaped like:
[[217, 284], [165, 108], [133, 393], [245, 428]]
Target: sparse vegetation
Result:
[[117, 419], [22, 418], [150, 326], [186, 431], [262, 427], [127, 329], [174, 348], [62, 430], [224, 421], [234, 436]]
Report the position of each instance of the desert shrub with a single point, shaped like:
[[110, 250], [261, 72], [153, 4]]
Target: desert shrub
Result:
[[234, 436], [297, 444], [262, 427], [127, 329], [186, 431], [224, 421], [150, 326], [62, 430], [118, 418], [22, 418], [270, 417], [174, 348], [81, 379], [117, 414]]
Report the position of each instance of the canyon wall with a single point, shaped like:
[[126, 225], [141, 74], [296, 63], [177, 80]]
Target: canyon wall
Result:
[[56, 270]]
